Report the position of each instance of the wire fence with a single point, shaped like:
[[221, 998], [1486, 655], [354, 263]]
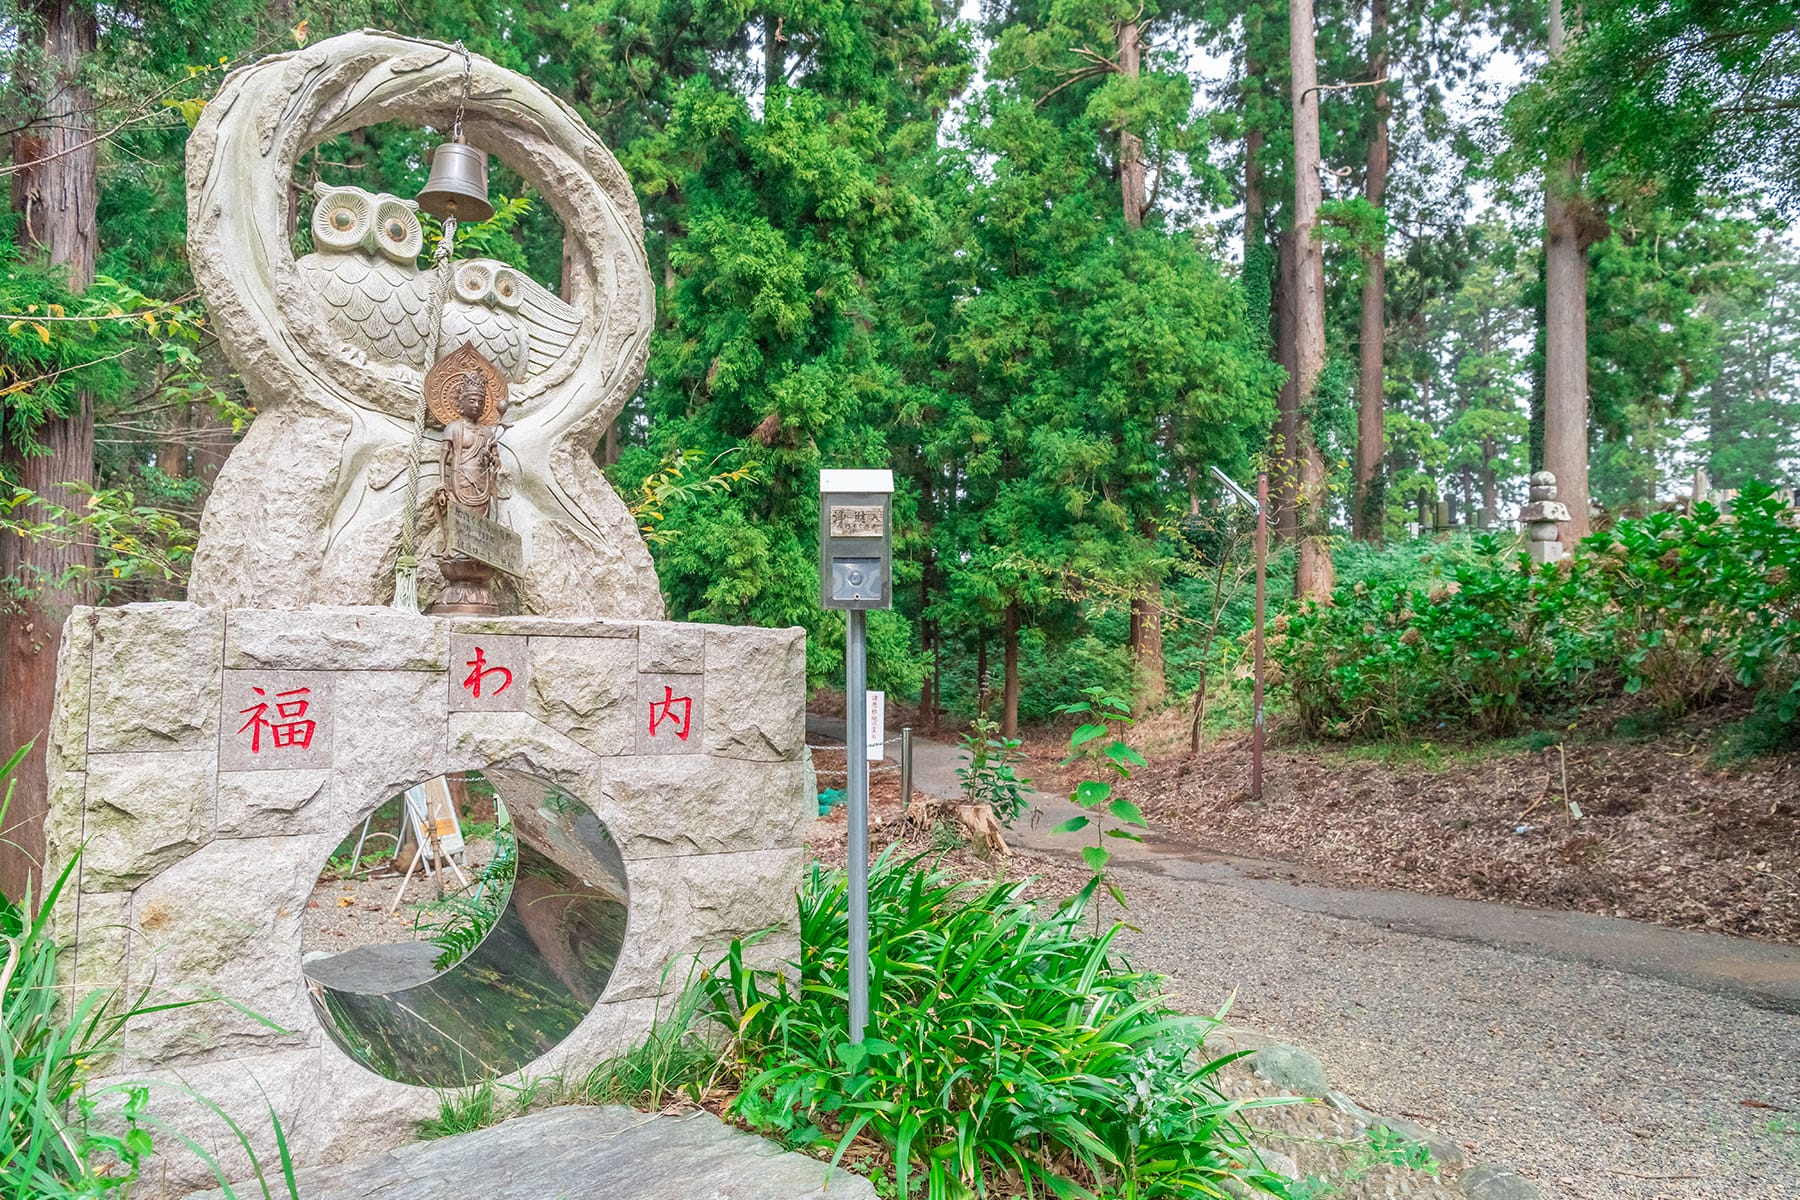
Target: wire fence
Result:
[[843, 773]]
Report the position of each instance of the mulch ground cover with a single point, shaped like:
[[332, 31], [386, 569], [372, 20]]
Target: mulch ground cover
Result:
[[1663, 833]]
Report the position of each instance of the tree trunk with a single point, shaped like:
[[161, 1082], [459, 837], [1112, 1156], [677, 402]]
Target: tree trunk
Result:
[[212, 437], [1284, 478], [1490, 486], [981, 705], [1131, 146], [1147, 636], [1312, 574], [54, 191], [774, 60], [1565, 330], [1366, 521], [1254, 138], [172, 449], [1146, 611], [1009, 719]]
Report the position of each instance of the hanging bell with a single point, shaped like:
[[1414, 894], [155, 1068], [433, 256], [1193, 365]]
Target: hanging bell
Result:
[[458, 184]]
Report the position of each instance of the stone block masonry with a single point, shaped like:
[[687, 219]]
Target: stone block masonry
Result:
[[210, 761]]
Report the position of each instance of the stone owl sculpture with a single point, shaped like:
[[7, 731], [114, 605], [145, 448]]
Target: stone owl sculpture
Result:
[[365, 273], [330, 345]]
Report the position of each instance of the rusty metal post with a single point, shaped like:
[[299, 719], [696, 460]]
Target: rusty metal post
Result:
[[1262, 572]]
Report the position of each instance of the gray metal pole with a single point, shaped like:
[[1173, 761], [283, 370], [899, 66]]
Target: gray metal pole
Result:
[[856, 738], [906, 766]]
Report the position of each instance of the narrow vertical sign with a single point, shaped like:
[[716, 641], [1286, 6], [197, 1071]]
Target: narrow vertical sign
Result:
[[877, 725]]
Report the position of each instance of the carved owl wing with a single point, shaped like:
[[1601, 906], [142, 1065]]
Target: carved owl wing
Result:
[[376, 304], [523, 330], [553, 324], [498, 334]]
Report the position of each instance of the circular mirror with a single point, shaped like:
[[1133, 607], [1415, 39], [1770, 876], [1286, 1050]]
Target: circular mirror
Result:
[[464, 927]]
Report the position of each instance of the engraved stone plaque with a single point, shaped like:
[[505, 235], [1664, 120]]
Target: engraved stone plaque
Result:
[[276, 720], [488, 673], [483, 540], [857, 520], [670, 716]]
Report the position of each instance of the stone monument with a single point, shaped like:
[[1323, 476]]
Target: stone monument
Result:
[[206, 757], [1542, 518]]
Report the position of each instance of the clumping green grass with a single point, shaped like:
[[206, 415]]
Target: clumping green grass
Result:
[[682, 1058], [1433, 755], [463, 1111], [1010, 1051], [1760, 735]]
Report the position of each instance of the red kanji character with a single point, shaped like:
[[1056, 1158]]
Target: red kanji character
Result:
[[667, 706], [480, 670], [291, 730]]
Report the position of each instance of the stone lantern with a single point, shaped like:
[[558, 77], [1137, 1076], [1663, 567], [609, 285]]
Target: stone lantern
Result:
[[1542, 518]]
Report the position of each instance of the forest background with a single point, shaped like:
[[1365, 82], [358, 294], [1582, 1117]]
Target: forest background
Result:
[[1051, 261]]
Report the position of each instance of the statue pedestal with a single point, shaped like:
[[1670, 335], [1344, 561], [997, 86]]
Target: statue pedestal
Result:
[[204, 839], [471, 590]]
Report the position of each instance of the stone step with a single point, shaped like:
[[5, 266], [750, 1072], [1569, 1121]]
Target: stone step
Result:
[[584, 1154]]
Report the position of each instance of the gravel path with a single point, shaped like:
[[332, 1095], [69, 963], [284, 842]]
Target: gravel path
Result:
[[1596, 1085], [1594, 1082]]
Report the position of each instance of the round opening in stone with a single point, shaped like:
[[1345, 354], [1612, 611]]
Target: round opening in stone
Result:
[[464, 927]]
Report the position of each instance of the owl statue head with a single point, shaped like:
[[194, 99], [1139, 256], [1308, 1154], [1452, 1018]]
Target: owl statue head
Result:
[[489, 283], [348, 219]]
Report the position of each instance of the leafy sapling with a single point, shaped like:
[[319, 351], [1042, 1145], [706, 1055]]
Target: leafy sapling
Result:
[[1099, 741], [990, 776]]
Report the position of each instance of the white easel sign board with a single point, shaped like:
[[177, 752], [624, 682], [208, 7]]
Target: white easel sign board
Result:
[[876, 724]]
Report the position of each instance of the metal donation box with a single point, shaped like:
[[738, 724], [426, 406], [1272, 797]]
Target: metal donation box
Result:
[[856, 539]]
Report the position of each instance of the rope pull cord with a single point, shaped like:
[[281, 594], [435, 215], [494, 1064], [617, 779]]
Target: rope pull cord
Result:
[[406, 564]]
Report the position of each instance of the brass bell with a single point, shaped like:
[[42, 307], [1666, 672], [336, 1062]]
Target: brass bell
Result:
[[458, 184]]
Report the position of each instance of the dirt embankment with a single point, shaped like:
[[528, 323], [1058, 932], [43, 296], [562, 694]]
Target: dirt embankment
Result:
[[1663, 834]]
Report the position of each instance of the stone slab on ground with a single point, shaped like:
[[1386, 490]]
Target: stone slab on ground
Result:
[[586, 1154], [373, 970]]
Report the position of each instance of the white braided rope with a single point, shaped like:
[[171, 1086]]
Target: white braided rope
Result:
[[406, 566]]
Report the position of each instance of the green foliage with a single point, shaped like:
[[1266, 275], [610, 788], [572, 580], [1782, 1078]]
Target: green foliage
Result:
[[127, 540], [1683, 96], [1097, 741], [1009, 1050], [458, 923], [670, 484], [463, 1111], [680, 1060], [497, 237], [1675, 607], [990, 776]]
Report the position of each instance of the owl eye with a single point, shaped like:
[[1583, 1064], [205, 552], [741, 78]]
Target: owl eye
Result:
[[504, 285], [395, 229], [342, 219]]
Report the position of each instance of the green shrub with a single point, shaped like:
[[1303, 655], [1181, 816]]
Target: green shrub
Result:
[[1677, 608], [1009, 1051], [990, 776], [1690, 605]]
